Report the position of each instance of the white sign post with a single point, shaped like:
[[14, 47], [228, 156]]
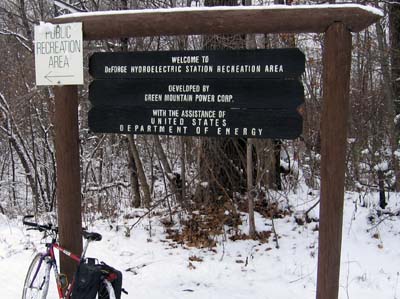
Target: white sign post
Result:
[[59, 54]]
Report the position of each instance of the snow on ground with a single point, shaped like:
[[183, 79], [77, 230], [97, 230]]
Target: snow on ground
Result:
[[243, 269]]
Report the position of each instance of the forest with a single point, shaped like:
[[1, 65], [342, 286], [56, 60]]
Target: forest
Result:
[[188, 173]]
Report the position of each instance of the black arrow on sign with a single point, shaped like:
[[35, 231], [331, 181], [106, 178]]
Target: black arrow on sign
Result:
[[57, 76]]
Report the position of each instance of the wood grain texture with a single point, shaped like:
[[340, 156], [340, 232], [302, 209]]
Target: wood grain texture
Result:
[[220, 21], [68, 174], [336, 75]]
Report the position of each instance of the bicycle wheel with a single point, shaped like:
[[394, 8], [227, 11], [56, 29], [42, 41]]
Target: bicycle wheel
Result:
[[106, 290], [36, 282]]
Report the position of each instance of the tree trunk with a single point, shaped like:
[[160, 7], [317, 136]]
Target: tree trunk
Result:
[[250, 197], [136, 200], [173, 178], [381, 184], [394, 28], [389, 102], [250, 44], [140, 171], [183, 167]]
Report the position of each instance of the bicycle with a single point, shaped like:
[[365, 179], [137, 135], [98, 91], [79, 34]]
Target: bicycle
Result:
[[37, 279]]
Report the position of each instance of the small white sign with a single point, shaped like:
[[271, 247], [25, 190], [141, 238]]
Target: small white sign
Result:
[[59, 54]]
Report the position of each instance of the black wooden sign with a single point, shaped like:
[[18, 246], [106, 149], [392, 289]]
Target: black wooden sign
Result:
[[198, 93], [254, 123], [268, 63], [242, 93]]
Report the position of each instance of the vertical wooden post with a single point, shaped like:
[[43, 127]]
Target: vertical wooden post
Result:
[[250, 199], [336, 61], [68, 174]]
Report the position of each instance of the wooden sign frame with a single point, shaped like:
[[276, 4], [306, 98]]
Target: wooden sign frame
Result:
[[336, 21]]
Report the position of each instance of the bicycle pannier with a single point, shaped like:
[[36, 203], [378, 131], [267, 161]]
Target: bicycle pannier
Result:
[[115, 277], [87, 280]]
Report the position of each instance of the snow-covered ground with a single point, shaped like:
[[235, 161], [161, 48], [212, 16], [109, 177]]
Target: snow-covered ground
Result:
[[242, 269]]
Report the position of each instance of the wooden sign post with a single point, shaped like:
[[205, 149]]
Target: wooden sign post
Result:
[[336, 76], [337, 21], [68, 173]]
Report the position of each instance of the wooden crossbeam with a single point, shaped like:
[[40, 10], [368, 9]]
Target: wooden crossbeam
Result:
[[221, 20]]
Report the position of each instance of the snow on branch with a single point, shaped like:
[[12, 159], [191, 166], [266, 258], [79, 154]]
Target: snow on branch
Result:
[[22, 39], [67, 6], [108, 186]]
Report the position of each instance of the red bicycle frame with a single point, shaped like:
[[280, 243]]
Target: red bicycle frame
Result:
[[50, 252]]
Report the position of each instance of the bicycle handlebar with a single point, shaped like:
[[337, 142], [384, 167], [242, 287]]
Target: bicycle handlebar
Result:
[[90, 236], [40, 227]]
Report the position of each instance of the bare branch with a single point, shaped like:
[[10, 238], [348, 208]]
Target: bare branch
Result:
[[20, 38]]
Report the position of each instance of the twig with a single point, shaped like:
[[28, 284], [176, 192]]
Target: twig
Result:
[[302, 277], [275, 234], [347, 278], [150, 210], [312, 207], [223, 250], [379, 222]]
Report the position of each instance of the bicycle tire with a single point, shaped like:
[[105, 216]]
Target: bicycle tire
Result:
[[37, 286], [105, 291]]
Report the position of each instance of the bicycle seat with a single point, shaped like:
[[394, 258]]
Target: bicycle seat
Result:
[[91, 236]]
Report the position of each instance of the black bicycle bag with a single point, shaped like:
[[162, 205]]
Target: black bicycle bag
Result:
[[114, 277], [87, 280]]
